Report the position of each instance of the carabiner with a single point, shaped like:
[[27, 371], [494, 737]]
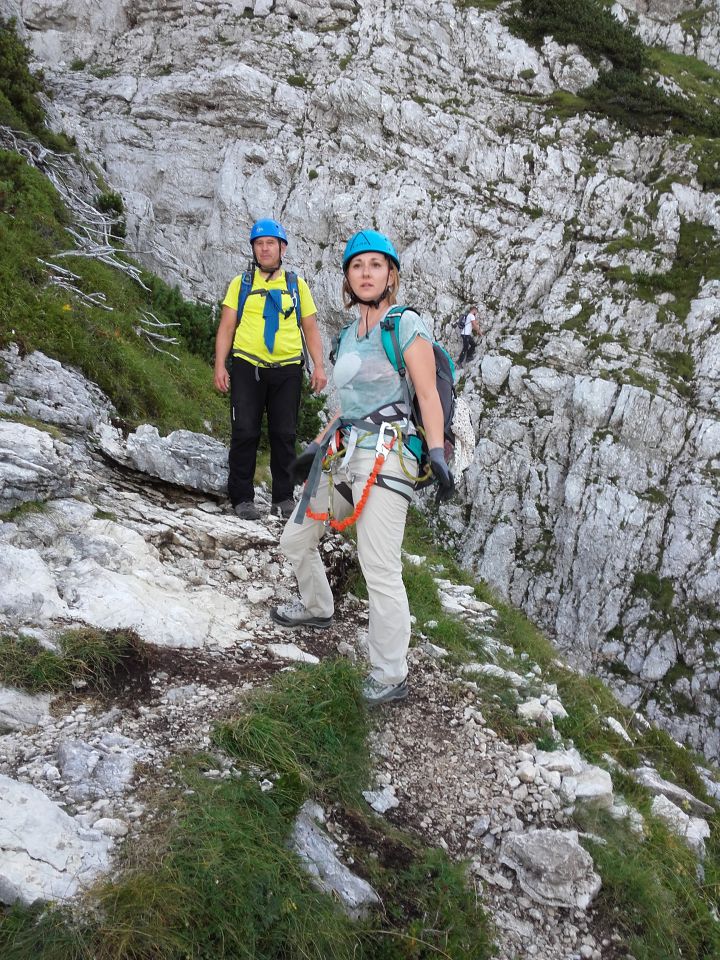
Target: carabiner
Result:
[[382, 449]]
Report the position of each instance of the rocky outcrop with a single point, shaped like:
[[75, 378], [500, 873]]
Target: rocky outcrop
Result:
[[593, 498], [79, 776], [681, 26]]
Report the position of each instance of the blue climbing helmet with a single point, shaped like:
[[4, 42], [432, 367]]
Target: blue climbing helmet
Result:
[[267, 228], [369, 241]]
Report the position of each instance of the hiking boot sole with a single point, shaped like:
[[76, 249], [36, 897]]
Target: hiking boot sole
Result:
[[317, 623]]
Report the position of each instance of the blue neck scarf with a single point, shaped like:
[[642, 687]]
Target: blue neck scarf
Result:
[[271, 316]]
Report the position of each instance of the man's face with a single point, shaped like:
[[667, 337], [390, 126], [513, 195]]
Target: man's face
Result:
[[268, 251]]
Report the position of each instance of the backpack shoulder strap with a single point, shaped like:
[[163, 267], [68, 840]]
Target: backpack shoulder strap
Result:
[[291, 278], [391, 345], [390, 342], [245, 288]]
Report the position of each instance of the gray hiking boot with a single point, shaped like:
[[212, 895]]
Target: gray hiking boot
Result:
[[283, 508], [375, 693], [294, 614], [247, 510]]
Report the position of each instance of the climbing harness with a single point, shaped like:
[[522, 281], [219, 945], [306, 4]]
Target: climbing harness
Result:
[[382, 450]]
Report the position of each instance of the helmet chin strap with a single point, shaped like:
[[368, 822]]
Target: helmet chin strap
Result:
[[370, 303]]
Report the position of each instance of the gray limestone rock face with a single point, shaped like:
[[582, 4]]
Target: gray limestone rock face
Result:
[[652, 781], [592, 496], [40, 387], [44, 853], [32, 466], [552, 867], [29, 594]]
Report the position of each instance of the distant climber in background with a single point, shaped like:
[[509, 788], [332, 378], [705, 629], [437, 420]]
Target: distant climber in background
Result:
[[469, 327], [370, 467], [266, 313]]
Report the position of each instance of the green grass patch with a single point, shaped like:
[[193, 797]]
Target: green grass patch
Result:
[[310, 728], [100, 659], [650, 892], [705, 153], [514, 628], [23, 509], [27, 421], [697, 260], [145, 386], [223, 883], [659, 590], [478, 4], [637, 379]]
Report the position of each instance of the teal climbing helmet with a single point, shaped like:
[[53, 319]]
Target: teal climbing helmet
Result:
[[268, 228], [369, 241]]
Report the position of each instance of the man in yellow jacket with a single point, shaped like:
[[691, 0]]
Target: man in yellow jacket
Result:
[[266, 342]]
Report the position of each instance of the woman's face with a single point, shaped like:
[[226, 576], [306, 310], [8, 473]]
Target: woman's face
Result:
[[368, 275]]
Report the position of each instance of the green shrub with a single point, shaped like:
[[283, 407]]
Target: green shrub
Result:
[[110, 202], [196, 324], [586, 23], [19, 89], [660, 590], [629, 92], [636, 100]]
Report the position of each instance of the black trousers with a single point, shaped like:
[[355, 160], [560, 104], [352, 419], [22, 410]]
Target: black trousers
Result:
[[254, 390], [468, 348]]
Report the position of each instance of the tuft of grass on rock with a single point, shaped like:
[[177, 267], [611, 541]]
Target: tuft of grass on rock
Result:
[[95, 657]]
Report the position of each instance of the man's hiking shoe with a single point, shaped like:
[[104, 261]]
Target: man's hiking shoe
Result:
[[247, 510], [375, 693], [283, 508], [294, 614]]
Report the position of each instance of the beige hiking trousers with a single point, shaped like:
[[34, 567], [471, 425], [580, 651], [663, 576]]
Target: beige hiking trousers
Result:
[[380, 529]]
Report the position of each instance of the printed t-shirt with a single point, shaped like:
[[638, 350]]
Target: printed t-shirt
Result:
[[249, 336], [365, 379]]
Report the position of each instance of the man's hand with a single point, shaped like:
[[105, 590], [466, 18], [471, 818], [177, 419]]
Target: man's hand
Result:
[[301, 465], [445, 481], [318, 379], [222, 378]]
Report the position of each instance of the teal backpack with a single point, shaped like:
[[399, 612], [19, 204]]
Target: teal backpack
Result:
[[444, 380]]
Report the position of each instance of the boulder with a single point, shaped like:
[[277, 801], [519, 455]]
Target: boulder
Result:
[[20, 711], [552, 867], [44, 853]]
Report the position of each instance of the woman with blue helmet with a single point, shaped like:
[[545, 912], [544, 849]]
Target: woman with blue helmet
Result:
[[372, 420]]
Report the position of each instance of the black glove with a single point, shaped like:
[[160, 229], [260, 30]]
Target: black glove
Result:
[[445, 481], [300, 467]]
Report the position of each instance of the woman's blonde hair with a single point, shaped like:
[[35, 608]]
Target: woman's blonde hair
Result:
[[393, 283]]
